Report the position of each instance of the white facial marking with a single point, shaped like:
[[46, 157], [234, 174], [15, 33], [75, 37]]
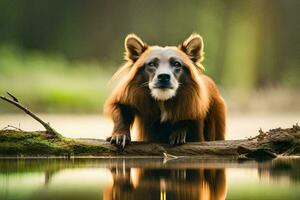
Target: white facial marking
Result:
[[163, 112], [164, 53], [163, 94]]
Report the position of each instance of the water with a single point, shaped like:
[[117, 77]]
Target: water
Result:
[[148, 178], [123, 179]]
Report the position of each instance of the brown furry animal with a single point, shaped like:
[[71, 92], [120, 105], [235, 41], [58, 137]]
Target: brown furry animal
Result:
[[163, 93]]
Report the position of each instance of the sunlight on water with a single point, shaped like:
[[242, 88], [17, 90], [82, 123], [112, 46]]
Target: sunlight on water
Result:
[[148, 179]]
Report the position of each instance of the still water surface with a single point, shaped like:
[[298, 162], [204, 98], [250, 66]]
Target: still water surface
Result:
[[145, 179], [148, 178]]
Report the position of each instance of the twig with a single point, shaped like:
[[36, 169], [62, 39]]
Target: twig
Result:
[[168, 157], [13, 97], [12, 127], [16, 103]]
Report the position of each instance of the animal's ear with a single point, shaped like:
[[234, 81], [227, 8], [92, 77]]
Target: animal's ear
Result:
[[193, 47], [134, 47]]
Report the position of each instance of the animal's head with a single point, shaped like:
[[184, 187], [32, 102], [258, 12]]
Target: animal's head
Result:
[[164, 69]]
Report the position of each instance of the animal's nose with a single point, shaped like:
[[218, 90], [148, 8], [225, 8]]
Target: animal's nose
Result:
[[163, 77]]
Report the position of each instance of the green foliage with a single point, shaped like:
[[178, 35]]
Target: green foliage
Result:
[[51, 83], [65, 53]]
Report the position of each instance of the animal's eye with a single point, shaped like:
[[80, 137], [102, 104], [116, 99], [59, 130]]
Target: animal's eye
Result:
[[176, 64], [151, 64]]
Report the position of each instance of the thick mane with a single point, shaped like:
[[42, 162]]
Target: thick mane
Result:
[[192, 100], [126, 90]]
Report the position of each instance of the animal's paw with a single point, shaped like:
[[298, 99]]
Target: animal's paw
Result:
[[177, 137], [119, 139]]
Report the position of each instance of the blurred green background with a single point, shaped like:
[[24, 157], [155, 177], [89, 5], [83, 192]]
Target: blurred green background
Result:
[[57, 56]]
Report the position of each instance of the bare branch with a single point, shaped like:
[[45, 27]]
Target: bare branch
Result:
[[13, 97], [14, 101]]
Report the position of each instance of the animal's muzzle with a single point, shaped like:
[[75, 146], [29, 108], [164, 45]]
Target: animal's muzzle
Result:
[[163, 81]]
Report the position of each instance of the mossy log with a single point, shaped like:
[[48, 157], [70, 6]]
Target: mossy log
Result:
[[267, 145]]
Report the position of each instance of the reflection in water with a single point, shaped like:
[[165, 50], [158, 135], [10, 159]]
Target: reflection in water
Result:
[[282, 170], [204, 184], [144, 179]]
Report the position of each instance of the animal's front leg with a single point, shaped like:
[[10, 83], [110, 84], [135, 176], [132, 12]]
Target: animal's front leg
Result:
[[178, 135], [123, 117]]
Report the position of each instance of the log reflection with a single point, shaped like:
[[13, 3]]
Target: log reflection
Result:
[[285, 170]]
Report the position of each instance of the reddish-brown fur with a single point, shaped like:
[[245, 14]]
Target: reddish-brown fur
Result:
[[134, 183], [197, 108]]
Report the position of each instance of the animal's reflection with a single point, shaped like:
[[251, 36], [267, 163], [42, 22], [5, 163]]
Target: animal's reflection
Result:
[[202, 184]]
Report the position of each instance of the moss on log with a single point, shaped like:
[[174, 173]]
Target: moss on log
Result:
[[18, 143], [266, 145]]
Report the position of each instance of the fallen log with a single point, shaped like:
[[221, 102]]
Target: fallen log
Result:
[[266, 145]]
